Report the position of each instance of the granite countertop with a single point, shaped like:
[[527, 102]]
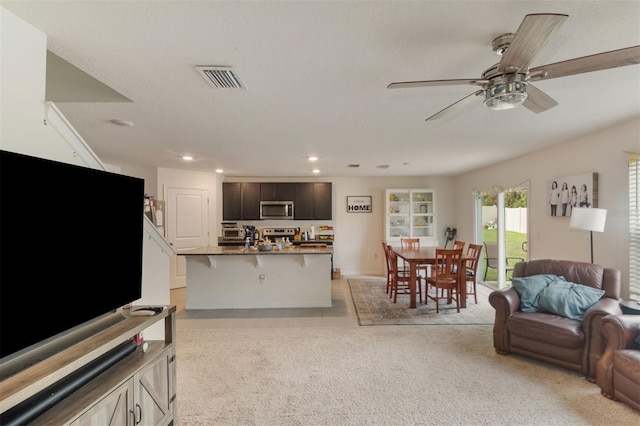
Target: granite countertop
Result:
[[223, 242], [222, 251]]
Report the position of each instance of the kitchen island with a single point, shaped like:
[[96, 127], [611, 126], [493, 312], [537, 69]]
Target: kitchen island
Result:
[[241, 278]]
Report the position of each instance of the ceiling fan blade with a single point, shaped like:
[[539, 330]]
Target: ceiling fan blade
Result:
[[538, 101], [455, 106], [427, 83], [532, 35], [597, 62]]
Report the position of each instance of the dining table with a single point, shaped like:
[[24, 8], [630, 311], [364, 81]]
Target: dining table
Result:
[[427, 256]]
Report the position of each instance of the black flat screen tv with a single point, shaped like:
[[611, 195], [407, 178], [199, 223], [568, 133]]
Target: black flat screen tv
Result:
[[70, 248]]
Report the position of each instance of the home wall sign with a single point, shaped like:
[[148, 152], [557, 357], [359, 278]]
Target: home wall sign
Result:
[[359, 204]]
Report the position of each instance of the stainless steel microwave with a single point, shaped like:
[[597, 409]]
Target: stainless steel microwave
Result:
[[276, 209]]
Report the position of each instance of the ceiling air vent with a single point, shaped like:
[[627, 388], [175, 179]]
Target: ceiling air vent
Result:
[[221, 77]]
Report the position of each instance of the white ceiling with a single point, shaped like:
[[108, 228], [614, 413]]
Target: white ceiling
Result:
[[316, 74]]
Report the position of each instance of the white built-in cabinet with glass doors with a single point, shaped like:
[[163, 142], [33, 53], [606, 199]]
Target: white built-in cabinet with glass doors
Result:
[[410, 213]]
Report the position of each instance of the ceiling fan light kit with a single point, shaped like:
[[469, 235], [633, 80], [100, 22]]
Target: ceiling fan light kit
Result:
[[504, 90], [506, 95], [507, 84]]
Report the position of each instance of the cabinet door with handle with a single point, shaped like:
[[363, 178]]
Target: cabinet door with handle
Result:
[[250, 201], [280, 191], [312, 201], [322, 201], [152, 397], [114, 409], [303, 201], [231, 201]]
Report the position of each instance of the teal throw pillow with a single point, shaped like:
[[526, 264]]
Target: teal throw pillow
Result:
[[568, 299], [529, 288]]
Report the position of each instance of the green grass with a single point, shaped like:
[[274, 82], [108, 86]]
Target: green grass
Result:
[[514, 248]]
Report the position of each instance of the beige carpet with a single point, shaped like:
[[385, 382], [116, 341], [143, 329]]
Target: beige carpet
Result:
[[396, 375], [374, 307]]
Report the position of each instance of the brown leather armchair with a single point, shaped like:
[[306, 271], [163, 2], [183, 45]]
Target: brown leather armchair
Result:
[[618, 374], [568, 343]]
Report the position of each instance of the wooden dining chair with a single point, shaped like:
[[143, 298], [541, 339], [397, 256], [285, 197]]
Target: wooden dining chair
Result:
[[385, 250], [410, 243], [457, 244], [445, 278], [471, 269], [390, 268], [414, 244], [401, 278]]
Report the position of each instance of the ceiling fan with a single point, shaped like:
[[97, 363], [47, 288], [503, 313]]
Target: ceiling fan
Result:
[[507, 84]]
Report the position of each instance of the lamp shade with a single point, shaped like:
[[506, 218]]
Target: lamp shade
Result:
[[589, 219]]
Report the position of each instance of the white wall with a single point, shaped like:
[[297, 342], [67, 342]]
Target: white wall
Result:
[[550, 237], [149, 174], [358, 248], [23, 130], [22, 93]]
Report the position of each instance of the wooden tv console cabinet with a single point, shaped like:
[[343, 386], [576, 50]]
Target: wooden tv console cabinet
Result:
[[138, 390]]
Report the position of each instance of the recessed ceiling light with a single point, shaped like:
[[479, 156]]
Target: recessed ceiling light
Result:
[[316, 170], [187, 157], [313, 158], [123, 123], [219, 170]]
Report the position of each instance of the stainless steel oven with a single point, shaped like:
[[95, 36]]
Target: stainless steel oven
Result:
[[276, 209]]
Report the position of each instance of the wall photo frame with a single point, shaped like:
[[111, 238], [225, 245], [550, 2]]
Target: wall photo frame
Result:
[[359, 204], [565, 193]]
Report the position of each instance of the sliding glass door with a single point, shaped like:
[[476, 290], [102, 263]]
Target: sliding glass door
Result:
[[502, 226]]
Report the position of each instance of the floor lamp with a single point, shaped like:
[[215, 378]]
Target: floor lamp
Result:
[[588, 219]]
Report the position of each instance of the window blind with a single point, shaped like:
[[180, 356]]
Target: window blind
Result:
[[634, 229]]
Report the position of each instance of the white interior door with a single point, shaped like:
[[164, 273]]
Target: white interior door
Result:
[[187, 226]]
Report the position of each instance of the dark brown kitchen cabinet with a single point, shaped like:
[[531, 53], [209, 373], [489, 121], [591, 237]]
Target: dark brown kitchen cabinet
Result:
[[277, 191], [250, 201], [303, 204], [232, 201], [312, 201], [240, 201], [322, 201]]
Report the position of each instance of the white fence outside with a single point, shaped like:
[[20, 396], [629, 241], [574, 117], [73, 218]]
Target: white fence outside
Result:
[[515, 218]]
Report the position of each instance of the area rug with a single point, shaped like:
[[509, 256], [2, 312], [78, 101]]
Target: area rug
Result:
[[374, 307]]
